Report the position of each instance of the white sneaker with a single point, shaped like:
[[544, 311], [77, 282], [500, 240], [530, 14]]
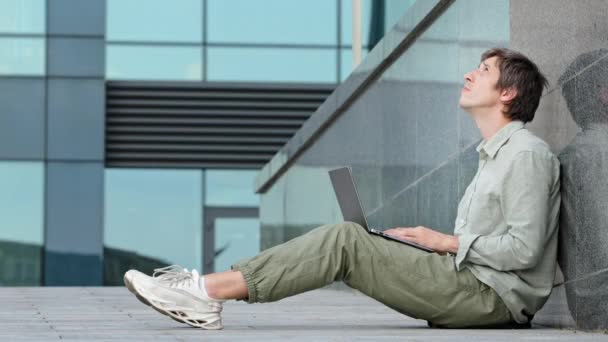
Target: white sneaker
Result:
[[180, 295], [159, 274]]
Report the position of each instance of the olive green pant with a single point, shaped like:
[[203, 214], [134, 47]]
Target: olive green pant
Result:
[[416, 283]]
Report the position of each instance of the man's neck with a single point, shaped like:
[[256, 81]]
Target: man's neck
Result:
[[488, 125]]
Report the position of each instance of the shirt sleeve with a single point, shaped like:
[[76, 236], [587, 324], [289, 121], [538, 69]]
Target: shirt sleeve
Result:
[[526, 196]]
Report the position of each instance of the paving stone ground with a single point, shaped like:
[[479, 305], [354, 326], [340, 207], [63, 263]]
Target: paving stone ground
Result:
[[112, 313]]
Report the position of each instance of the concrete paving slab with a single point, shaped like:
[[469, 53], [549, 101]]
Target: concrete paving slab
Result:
[[113, 314]]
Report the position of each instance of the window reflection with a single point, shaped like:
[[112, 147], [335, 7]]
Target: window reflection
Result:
[[21, 219], [155, 20], [383, 13], [235, 240], [346, 62], [152, 218], [231, 188], [346, 29], [269, 64], [22, 16], [272, 21], [154, 62], [268, 24], [22, 56]]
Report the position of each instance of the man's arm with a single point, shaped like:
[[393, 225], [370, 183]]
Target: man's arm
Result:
[[526, 205], [441, 243], [528, 199]]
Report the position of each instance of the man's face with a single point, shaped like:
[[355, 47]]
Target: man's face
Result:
[[479, 90]]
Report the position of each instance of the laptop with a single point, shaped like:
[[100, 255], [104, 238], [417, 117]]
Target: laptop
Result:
[[350, 205]]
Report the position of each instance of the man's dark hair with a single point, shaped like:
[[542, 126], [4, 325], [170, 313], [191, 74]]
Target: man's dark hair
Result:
[[520, 73], [581, 83]]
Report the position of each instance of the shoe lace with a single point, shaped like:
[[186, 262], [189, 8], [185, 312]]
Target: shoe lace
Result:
[[174, 275], [168, 271]]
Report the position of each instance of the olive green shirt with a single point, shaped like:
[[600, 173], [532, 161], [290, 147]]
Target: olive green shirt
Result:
[[508, 219]]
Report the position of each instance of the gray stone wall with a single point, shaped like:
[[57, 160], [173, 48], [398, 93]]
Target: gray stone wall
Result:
[[569, 41]]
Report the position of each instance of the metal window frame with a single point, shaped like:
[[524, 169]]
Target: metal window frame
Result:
[[210, 214]]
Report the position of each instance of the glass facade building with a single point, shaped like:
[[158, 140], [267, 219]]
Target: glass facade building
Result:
[[68, 219], [240, 40]]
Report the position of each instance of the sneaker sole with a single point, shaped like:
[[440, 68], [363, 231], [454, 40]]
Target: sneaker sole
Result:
[[132, 290], [176, 315]]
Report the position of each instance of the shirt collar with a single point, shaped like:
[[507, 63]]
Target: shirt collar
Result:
[[492, 145]]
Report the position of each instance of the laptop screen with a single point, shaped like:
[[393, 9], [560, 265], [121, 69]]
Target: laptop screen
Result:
[[348, 198]]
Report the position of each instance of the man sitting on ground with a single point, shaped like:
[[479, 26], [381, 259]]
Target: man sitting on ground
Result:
[[497, 268]]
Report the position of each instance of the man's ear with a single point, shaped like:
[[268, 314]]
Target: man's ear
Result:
[[507, 95]]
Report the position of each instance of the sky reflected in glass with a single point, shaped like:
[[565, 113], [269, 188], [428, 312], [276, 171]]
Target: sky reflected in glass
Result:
[[22, 202], [393, 11], [155, 213], [155, 20], [22, 16], [346, 62], [238, 237], [272, 65], [154, 62], [273, 21], [231, 188], [280, 24], [22, 56]]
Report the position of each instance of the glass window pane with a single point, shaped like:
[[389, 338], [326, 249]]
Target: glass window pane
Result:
[[346, 62], [21, 219], [391, 13], [271, 64], [235, 239], [22, 122], [154, 62], [22, 56], [22, 16], [152, 218], [231, 188], [346, 30], [272, 21], [155, 20]]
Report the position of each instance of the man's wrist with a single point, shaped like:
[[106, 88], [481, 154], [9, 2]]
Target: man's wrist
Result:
[[452, 244]]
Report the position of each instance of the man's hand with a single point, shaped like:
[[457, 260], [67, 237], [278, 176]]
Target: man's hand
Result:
[[441, 243]]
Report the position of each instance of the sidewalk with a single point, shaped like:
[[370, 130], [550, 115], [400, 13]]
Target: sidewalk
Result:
[[112, 313]]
